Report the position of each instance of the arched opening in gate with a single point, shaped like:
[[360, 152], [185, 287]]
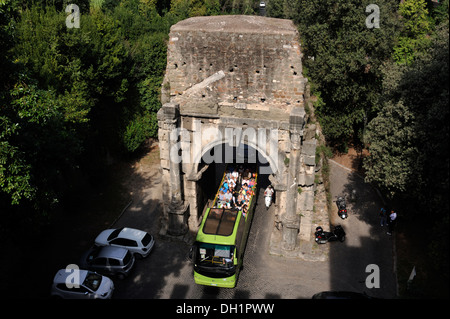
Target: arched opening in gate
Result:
[[217, 158]]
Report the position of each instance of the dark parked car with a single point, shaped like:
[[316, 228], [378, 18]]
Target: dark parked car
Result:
[[108, 260]]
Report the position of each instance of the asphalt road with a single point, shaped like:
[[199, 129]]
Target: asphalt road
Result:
[[167, 272]]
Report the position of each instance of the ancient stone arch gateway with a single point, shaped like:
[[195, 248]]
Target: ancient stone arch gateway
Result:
[[233, 81]]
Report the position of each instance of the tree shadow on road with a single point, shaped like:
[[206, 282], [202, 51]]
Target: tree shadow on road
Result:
[[366, 241]]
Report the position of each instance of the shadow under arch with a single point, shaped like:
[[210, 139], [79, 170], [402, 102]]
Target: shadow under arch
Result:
[[211, 162], [224, 153]]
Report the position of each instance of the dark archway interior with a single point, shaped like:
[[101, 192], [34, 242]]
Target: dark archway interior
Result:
[[217, 159]]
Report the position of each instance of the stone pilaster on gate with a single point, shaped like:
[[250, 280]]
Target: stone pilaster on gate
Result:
[[175, 208], [291, 219]]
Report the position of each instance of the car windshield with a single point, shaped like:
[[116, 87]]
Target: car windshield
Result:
[[114, 234], [127, 258], [93, 281], [146, 240]]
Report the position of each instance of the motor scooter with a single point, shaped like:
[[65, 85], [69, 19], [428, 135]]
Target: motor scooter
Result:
[[337, 234], [342, 207], [268, 194]]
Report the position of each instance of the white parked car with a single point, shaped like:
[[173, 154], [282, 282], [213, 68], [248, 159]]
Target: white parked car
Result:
[[139, 242], [91, 286]]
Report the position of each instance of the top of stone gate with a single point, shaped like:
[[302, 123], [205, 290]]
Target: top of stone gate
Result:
[[234, 67], [237, 24]]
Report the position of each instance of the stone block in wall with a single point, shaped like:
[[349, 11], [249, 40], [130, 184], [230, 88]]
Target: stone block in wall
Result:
[[284, 146], [309, 147], [310, 132], [165, 164], [306, 199], [309, 160], [305, 179], [164, 151]]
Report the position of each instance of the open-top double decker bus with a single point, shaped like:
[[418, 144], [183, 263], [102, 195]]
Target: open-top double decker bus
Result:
[[220, 243]]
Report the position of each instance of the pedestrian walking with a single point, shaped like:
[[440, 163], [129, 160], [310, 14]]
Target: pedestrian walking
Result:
[[391, 222], [383, 216]]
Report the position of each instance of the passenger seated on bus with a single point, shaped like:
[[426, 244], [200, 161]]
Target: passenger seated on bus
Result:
[[240, 202], [252, 182], [244, 180], [243, 191], [228, 197], [249, 192], [235, 196], [244, 210], [231, 184], [235, 175]]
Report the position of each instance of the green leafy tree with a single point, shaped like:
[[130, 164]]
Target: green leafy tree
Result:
[[37, 146], [148, 70], [343, 58], [415, 28], [286, 9], [409, 154], [408, 138]]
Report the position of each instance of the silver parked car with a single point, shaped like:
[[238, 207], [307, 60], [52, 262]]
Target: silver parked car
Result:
[[139, 242], [108, 260], [90, 286]]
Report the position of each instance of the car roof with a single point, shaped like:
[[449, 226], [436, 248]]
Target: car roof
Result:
[[131, 233], [112, 252], [61, 276], [124, 232]]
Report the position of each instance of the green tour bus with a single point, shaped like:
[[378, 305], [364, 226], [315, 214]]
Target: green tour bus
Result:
[[219, 248]]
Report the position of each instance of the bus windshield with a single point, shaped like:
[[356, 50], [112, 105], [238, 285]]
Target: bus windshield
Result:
[[214, 258]]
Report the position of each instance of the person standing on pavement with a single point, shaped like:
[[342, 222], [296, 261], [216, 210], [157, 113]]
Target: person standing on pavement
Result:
[[391, 222], [383, 216]]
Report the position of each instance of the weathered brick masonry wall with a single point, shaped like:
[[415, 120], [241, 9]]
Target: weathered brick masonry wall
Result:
[[260, 59]]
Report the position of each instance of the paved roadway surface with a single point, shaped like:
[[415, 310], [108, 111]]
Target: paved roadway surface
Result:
[[167, 272]]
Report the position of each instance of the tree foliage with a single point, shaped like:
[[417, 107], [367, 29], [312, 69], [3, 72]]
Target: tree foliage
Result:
[[415, 22], [409, 137], [343, 59], [409, 153]]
